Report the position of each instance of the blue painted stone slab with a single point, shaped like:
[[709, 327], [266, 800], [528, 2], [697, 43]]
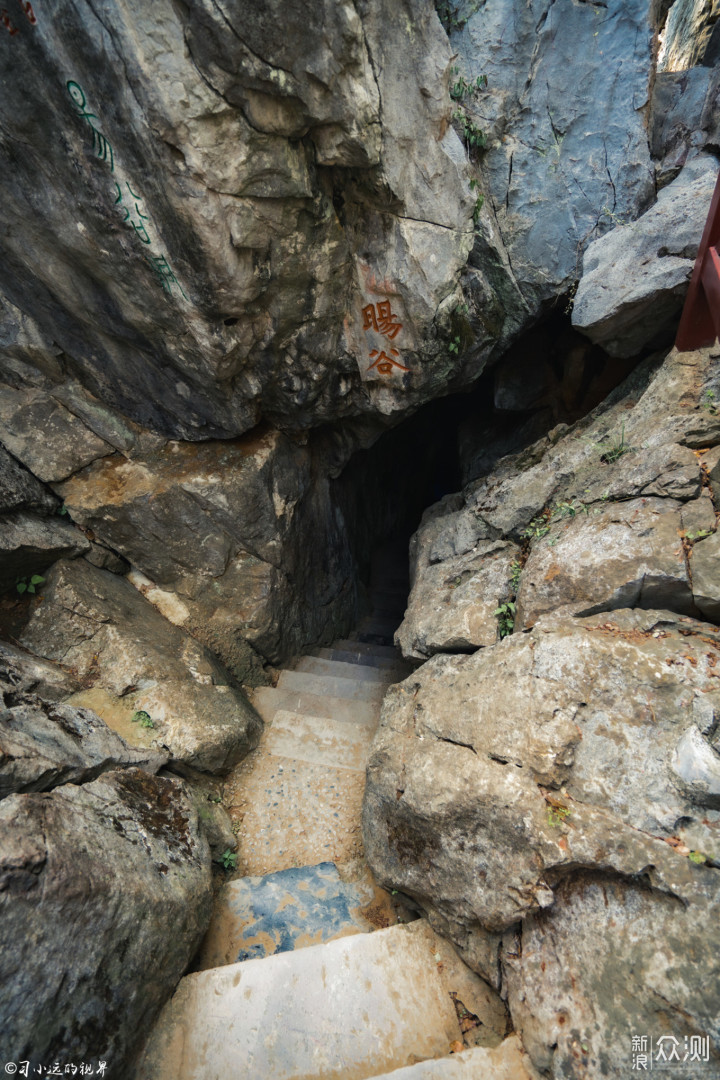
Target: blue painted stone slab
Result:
[[259, 916]]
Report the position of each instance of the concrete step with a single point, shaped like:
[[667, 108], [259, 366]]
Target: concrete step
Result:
[[349, 1010], [505, 1062], [352, 656], [268, 700], [354, 689], [293, 813], [388, 652], [292, 909], [339, 669], [318, 740]]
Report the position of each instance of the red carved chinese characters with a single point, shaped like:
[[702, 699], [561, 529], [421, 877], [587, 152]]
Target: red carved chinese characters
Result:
[[385, 363], [27, 8], [380, 317], [5, 19]]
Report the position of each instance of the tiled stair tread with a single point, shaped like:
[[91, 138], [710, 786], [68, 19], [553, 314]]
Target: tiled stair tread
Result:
[[268, 700], [354, 689], [293, 813], [339, 669], [504, 1062], [349, 1010], [318, 740], [388, 652], [353, 656], [291, 909]]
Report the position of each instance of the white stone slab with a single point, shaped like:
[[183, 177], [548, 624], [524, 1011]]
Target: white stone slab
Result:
[[348, 1010]]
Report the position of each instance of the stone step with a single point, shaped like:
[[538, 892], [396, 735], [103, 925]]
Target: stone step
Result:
[[352, 656], [318, 740], [386, 651], [292, 909], [505, 1062], [349, 1010], [268, 700], [293, 813], [354, 689], [339, 669]]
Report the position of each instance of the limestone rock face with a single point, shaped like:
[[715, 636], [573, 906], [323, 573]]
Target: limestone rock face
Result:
[[105, 895], [506, 789], [249, 211], [133, 661], [635, 278], [219, 535], [608, 515], [43, 745], [563, 114]]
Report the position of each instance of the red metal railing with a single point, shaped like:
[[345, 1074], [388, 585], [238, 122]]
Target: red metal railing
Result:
[[700, 321]]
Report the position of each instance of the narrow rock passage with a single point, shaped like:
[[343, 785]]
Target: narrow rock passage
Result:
[[265, 1006]]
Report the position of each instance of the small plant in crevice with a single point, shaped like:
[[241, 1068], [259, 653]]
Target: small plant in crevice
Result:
[[505, 615], [515, 572], [538, 527], [708, 402], [699, 535], [472, 135], [557, 814], [229, 860], [615, 452], [454, 346], [144, 719], [29, 585], [462, 87]]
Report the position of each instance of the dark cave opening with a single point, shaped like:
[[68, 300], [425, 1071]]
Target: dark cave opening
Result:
[[552, 376]]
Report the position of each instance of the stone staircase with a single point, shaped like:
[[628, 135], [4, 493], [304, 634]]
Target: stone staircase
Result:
[[309, 969]]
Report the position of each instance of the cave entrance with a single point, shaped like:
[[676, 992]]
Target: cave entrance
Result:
[[551, 376]]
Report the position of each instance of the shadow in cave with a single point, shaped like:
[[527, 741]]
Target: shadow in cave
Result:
[[551, 376]]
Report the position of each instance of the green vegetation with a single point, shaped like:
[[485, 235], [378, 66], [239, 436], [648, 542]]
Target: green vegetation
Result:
[[24, 585], [461, 88], [473, 136], [143, 718], [454, 346], [617, 450], [697, 857], [515, 572], [505, 615], [557, 815], [708, 402], [229, 859], [699, 535]]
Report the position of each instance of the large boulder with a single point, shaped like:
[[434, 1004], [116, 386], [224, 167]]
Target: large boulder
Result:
[[567, 147], [105, 893], [217, 534], [635, 278], [43, 745], [507, 789], [605, 514], [234, 226], [133, 663]]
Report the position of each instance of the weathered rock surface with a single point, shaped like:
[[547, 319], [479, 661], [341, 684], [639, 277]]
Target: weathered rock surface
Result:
[[105, 894], [683, 118], [29, 544], [635, 278], [609, 511], [691, 36], [43, 745], [452, 604], [22, 673], [130, 659], [499, 783], [563, 111], [229, 193], [623, 555], [19, 489], [219, 531], [705, 570]]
